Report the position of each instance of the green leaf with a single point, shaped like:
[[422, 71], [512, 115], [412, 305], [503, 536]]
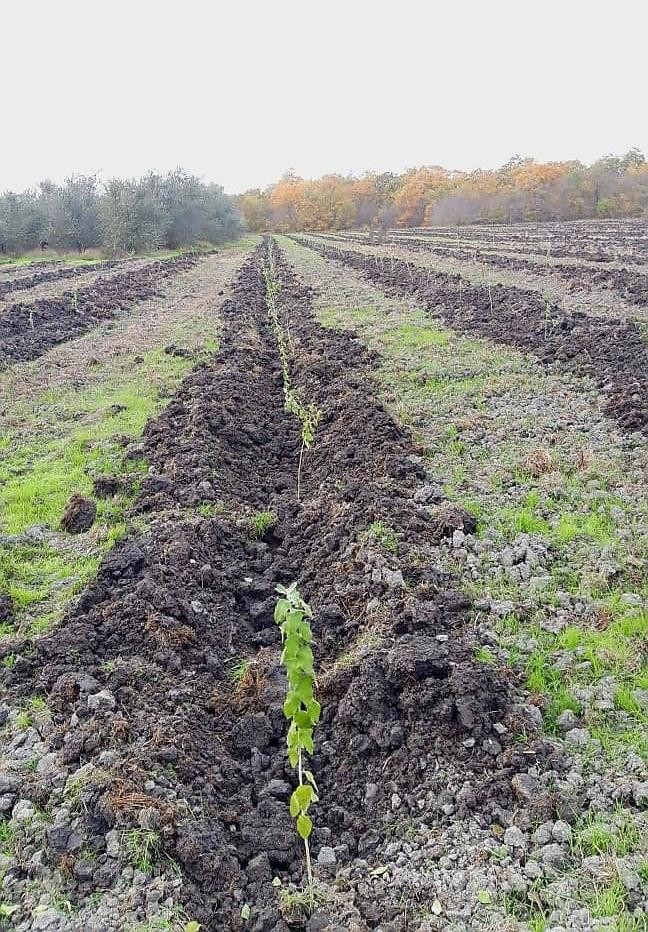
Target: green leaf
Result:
[[292, 705], [484, 897], [314, 710], [311, 779], [307, 740], [303, 719], [192, 926], [246, 912], [293, 757], [304, 657], [304, 826], [304, 689], [281, 609], [303, 796]]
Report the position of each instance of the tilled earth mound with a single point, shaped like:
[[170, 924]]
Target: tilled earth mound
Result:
[[150, 701], [629, 284], [25, 282], [611, 352], [27, 330]]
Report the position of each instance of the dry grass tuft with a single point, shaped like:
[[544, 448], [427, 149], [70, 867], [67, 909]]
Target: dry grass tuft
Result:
[[538, 463]]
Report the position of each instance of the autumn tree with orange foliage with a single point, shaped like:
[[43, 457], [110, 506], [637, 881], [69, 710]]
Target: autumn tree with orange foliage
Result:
[[521, 190]]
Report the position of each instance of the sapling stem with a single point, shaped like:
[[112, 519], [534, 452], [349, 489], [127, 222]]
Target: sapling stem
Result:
[[309, 416], [300, 707]]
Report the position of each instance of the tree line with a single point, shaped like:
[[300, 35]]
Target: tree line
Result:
[[121, 216], [521, 190]]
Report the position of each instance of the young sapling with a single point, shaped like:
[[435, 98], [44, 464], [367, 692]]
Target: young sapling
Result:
[[301, 708]]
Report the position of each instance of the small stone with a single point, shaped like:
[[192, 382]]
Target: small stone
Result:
[[492, 747], [326, 856], [84, 869], [23, 811], [632, 599], [113, 845], [553, 856], [561, 832], [278, 788], [629, 878], [567, 720], [104, 699], [458, 538], [9, 782], [515, 838], [640, 793], [371, 791], [259, 868], [532, 870], [502, 608], [428, 494], [396, 802], [578, 737], [393, 578], [543, 834], [6, 802], [88, 684]]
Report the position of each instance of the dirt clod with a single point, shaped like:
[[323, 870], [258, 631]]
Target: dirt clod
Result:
[[79, 515]]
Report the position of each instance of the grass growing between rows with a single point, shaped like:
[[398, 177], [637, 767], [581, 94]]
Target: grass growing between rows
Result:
[[424, 367], [473, 405], [62, 441]]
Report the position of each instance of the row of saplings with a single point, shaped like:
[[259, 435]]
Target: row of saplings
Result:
[[292, 613]]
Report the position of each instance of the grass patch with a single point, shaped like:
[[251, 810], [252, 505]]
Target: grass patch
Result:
[[595, 835], [77, 439], [416, 335], [384, 535], [261, 524]]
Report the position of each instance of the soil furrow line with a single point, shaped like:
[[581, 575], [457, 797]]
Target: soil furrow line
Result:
[[27, 330], [613, 353]]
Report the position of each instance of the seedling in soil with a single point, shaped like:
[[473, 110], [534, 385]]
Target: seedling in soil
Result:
[[144, 847], [301, 708], [384, 535], [239, 669], [295, 903], [308, 414], [309, 417], [261, 523]]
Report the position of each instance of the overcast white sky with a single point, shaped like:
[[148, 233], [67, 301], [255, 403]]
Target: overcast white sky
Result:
[[240, 91]]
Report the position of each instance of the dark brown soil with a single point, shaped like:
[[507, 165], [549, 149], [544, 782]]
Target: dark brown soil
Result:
[[199, 755], [79, 515], [29, 330], [630, 285], [611, 352], [24, 282]]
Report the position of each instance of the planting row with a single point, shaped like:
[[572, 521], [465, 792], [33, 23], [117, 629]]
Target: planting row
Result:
[[44, 276], [612, 352], [597, 240], [159, 747], [541, 252], [630, 285], [27, 330]]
